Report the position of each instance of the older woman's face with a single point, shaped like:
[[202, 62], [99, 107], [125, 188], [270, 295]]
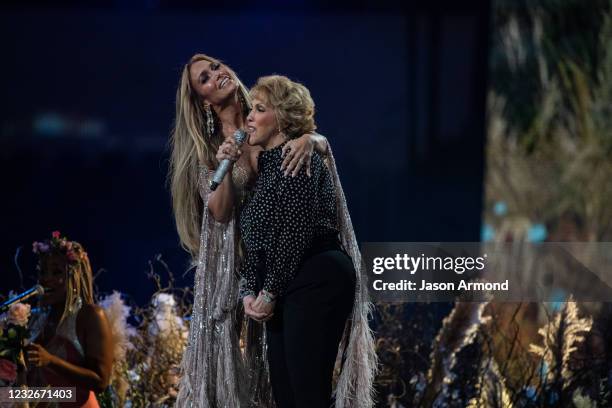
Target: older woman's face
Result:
[[212, 81], [262, 125]]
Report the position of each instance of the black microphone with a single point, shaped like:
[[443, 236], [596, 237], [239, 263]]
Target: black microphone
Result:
[[36, 290], [239, 137]]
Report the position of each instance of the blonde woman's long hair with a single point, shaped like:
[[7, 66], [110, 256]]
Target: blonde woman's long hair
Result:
[[192, 146]]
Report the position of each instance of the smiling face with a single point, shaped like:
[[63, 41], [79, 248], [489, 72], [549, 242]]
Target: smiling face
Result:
[[262, 125], [213, 81], [52, 276]]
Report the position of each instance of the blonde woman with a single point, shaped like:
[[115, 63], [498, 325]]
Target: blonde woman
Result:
[[72, 341], [211, 104], [299, 277]]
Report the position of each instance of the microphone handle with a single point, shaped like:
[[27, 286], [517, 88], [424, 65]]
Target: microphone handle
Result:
[[220, 174], [23, 296], [239, 137]]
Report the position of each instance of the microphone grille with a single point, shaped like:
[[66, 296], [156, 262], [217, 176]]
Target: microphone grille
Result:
[[239, 136]]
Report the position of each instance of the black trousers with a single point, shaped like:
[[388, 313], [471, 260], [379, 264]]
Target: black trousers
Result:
[[305, 331]]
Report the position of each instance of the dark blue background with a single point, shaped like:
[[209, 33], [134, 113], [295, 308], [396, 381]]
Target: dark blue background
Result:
[[88, 104]]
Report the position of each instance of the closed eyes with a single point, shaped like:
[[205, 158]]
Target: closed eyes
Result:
[[204, 76]]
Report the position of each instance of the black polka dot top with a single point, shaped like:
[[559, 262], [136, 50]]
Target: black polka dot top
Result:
[[284, 217]]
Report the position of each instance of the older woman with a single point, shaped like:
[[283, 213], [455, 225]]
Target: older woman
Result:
[[299, 277], [212, 103]]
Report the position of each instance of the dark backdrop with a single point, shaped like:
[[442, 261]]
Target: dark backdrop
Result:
[[88, 103]]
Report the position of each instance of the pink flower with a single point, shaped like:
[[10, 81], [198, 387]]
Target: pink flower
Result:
[[55, 234], [18, 314], [8, 370]]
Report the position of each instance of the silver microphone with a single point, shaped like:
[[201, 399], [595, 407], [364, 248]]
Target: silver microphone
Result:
[[239, 136]]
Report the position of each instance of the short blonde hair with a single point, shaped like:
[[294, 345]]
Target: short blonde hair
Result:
[[291, 101]]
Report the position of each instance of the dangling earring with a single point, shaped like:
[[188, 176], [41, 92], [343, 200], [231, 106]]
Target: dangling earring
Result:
[[210, 121]]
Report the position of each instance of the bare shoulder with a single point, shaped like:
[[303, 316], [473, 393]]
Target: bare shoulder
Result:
[[92, 324], [91, 314]]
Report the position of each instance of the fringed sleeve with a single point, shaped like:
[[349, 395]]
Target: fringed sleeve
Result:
[[355, 386]]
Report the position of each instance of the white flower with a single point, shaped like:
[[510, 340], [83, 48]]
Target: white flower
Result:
[[133, 376], [164, 300], [117, 313], [165, 320]]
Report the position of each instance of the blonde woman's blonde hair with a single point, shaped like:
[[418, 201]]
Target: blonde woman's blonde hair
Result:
[[192, 146], [291, 101]]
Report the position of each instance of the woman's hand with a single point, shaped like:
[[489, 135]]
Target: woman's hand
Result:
[[228, 150], [222, 200], [297, 154], [38, 356], [263, 305], [257, 315]]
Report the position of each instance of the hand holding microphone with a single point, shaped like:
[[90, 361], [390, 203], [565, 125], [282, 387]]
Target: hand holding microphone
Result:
[[228, 152]]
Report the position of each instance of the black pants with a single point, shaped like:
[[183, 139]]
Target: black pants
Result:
[[306, 328]]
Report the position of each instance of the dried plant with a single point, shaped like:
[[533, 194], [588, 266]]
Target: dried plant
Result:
[[491, 389], [511, 329], [404, 334], [562, 338], [549, 161], [582, 401], [145, 373], [458, 332], [560, 162]]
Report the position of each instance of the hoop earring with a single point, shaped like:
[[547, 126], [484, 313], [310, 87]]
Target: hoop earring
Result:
[[210, 120]]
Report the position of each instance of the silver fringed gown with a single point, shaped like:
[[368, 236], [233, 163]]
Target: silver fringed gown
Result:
[[215, 371]]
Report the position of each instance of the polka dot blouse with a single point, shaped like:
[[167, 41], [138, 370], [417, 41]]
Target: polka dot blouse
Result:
[[282, 220]]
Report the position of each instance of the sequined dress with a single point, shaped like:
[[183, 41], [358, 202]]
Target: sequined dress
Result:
[[215, 371]]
